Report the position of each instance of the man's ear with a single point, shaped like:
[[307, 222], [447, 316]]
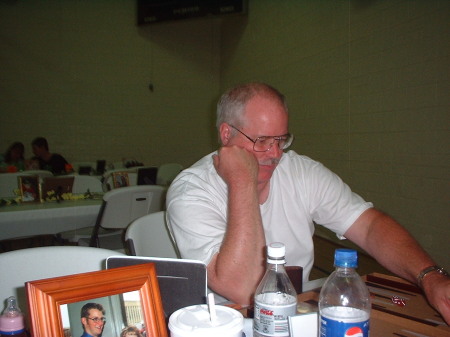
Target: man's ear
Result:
[[225, 133], [83, 321]]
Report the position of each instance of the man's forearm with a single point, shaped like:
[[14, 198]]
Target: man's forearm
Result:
[[389, 243], [239, 265], [398, 251]]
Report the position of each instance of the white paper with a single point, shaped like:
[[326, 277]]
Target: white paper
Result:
[[304, 325]]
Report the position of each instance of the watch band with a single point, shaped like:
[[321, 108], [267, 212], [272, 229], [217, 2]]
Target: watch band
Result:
[[427, 270]]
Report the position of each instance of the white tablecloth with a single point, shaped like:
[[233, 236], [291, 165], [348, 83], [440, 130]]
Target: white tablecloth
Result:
[[47, 218]]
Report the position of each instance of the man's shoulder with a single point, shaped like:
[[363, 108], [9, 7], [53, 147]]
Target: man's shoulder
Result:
[[57, 157], [199, 177], [199, 168], [85, 334]]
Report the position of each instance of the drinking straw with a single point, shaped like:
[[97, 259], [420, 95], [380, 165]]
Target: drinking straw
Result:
[[212, 308]]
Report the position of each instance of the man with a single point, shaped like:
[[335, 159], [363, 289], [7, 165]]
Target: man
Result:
[[48, 161], [92, 319], [229, 205]]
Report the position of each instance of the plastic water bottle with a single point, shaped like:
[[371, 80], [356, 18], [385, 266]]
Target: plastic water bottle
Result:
[[275, 297], [344, 301], [12, 321]]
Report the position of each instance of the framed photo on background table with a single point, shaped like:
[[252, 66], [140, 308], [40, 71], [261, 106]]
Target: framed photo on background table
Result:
[[48, 298], [120, 179], [30, 190]]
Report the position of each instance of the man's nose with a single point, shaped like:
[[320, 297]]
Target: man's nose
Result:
[[274, 149]]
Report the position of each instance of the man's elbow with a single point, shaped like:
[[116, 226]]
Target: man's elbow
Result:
[[231, 287], [234, 293]]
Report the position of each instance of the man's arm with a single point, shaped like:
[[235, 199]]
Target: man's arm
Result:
[[235, 271], [394, 248]]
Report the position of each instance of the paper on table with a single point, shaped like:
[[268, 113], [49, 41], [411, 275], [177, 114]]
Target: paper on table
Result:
[[304, 325]]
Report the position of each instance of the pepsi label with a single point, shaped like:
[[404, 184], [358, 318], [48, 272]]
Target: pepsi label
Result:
[[344, 322]]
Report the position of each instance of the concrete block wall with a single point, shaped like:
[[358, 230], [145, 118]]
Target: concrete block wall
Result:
[[78, 73], [367, 83]]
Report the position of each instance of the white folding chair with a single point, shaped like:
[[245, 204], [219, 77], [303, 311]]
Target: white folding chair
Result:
[[149, 236], [9, 183], [120, 207], [108, 183], [167, 173], [41, 173], [83, 183], [20, 266], [76, 165]]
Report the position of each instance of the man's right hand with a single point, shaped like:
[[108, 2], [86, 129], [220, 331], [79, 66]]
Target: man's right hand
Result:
[[236, 165]]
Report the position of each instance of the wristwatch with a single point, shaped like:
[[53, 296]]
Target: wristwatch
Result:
[[427, 270]]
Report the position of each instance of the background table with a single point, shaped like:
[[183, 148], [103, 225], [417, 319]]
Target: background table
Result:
[[47, 218]]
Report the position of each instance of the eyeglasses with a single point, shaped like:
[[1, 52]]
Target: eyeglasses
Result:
[[264, 143], [97, 320]]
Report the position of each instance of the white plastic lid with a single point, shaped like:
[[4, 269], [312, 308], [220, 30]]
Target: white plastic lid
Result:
[[194, 321], [276, 252]]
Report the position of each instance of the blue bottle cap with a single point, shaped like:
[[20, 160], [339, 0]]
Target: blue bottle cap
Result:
[[346, 258]]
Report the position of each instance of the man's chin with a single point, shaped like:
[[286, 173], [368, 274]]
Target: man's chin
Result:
[[265, 172]]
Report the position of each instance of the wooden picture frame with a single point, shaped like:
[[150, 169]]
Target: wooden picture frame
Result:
[[45, 297], [30, 189], [120, 179]]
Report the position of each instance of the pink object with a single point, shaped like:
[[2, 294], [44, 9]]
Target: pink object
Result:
[[12, 322]]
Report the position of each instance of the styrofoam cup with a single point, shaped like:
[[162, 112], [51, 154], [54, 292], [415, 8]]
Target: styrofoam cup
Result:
[[195, 321]]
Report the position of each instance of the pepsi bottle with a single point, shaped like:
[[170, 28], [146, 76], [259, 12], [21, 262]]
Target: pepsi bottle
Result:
[[344, 301]]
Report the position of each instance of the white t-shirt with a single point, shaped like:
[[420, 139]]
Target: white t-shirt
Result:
[[302, 191]]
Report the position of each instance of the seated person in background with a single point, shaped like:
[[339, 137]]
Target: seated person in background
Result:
[[228, 206], [48, 161], [13, 160]]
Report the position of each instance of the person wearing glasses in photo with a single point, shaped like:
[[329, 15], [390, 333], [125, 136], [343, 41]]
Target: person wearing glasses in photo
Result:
[[225, 208], [93, 319]]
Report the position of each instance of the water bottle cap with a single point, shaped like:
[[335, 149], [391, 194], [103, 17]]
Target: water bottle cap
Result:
[[276, 252], [347, 258]]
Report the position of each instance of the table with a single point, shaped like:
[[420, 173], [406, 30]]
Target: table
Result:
[[28, 219], [415, 319]]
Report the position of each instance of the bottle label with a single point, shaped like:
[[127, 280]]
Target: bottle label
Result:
[[344, 322], [272, 319]]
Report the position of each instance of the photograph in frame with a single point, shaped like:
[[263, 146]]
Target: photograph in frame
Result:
[[120, 179], [30, 190], [108, 315], [50, 299]]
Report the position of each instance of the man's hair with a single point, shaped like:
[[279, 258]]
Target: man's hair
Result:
[[14, 146], [231, 106], [88, 306], [40, 142]]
